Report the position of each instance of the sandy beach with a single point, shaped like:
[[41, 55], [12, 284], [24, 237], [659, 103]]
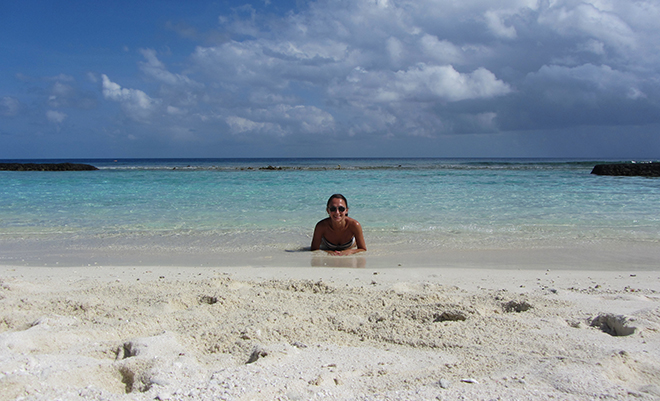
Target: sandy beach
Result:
[[271, 333]]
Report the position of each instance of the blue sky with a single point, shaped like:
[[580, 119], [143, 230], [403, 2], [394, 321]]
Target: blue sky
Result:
[[330, 78]]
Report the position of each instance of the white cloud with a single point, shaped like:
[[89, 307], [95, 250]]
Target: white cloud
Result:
[[177, 91], [496, 23], [281, 120], [55, 117], [60, 89], [395, 49], [591, 20], [156, 69], [441, 51], [422, 82], [362, 53], [175, 111], [240, 125], [404, 67], [308, 119], [60, 95], [134, 102], [447, 84], [9, 106], [264, 63]]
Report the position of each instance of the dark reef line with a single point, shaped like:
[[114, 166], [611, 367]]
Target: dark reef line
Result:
[[46, 167], [628, 169], [615, 169]]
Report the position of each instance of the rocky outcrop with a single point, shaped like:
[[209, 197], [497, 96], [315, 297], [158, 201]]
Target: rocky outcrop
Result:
[[46, 167], [628, 169]]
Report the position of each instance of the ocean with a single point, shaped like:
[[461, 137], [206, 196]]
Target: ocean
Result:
[[504, 213]]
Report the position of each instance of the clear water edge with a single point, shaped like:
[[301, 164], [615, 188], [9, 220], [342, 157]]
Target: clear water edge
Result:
[[414, 211]]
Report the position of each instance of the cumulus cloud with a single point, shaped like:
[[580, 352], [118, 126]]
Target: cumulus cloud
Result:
[[423, 83], [496, 21], [361, 54], [135, 103], [440, 51], [283, 120], [410, 68], [590, 19]]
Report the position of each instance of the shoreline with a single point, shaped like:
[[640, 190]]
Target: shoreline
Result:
[[183, 333], [533, 255], [465, 277]]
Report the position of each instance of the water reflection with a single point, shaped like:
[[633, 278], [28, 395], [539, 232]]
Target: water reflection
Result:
[[356, 262]]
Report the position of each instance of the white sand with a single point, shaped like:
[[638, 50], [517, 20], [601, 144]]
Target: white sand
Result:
[[167, 333]]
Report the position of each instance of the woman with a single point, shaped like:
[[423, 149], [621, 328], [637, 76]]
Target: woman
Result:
[[338, 234]]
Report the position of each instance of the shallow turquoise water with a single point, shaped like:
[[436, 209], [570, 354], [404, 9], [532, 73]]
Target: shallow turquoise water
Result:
[[234, 205]]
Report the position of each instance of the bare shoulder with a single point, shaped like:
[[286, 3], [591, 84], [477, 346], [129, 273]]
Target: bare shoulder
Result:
[[354, 224], [323, 223]]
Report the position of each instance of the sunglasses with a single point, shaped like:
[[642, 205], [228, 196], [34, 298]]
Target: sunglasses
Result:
[[334, 209]]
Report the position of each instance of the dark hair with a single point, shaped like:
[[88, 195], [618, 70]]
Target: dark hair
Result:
[[337, 196]]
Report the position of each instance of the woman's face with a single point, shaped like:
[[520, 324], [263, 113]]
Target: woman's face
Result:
[[337, 209]]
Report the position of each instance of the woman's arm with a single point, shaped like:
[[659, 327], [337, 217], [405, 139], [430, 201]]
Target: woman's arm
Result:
[[359, 238], [316, 238]]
